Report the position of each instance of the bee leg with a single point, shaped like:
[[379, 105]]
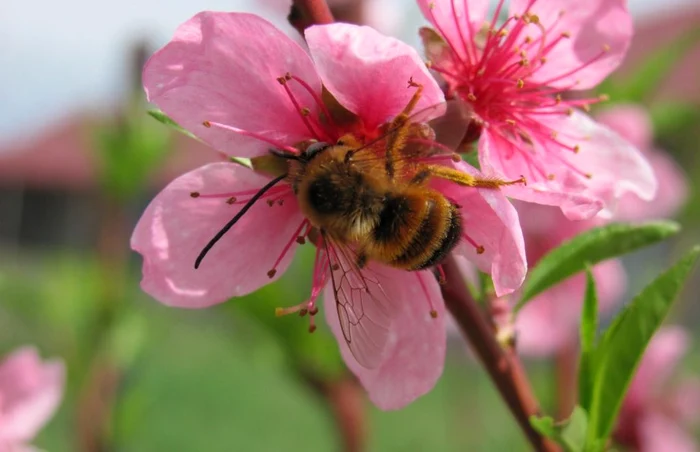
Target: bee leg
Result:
[[467, 180], [420, 177], [399, 128], [361, 260]]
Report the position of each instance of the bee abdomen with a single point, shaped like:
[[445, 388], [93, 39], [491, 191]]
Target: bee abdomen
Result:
[[417, 231]]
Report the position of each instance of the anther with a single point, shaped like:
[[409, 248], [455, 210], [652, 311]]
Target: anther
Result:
[[577, 148], [456, 157], [288, 76], [606, 48], [557, 99], [281, 80], [335, 267], [303, 312], [566, 34], [502, 33], [551, 176], [305, 111], [313, 311], [604, 97], [270, 202], [520, 83], [194, 194], [480, 249], [433, 314], [524, 62], [588, 175], [428, 64], [280, 202], [586, 107], [312, 328], [231, 200], [511, 122], [543, 60], [528, 40], [271, 274], [569, 111], [554, 134], [471, 97], [301, 240], [206, 124]]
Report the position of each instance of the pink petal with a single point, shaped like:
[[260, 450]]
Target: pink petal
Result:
[[175, 227], [491, 221], [617, 167], [455, 23], [414, 358], [672, 193], [550, 321], [565, 192], [631, 121], [662, 356], [579, 61], [368, 72], [659, 433], [30, 392], [222, 67]]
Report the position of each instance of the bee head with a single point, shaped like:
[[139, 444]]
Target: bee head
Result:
[[313, 150]]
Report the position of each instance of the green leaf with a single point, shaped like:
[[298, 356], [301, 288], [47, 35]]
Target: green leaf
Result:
[[591, 247], [648, 75], [168, 121], [623, 344], [570, 434], [589, 325]]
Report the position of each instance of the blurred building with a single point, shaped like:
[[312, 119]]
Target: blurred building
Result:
[[49, 182]]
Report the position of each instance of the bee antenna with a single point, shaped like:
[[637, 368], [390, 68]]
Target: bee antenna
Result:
[[284, 154], [235, 219]]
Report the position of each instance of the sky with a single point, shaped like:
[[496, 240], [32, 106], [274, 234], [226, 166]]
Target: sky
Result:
[[61, 57]]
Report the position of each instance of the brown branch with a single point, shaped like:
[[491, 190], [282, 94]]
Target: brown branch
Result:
[[566, 362], [503, 366], [305, 13]]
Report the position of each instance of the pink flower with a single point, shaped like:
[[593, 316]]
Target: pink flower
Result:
[[655, 414], [634, 124], [550, 320], [243, 87], [30, 392], [515, 76]]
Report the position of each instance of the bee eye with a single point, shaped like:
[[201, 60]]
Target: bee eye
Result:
[[313, 150]]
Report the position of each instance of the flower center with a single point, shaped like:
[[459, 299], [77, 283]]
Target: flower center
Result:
[[495, 70]]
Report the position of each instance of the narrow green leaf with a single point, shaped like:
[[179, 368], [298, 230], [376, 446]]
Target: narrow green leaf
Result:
[[570, 434], [623, 344], [544, 425], [168, 121], [589, 326], [592, 247]]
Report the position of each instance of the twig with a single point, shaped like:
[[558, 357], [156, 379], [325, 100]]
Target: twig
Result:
[[503, 366], [305, 13]]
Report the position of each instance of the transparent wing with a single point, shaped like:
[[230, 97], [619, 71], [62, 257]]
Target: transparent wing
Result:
[[364, 310], [438, 129]]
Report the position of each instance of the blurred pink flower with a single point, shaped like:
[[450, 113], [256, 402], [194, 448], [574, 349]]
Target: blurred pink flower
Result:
[[30, 392], [224, 69], [656, 412], [634, 124], [550, 321], [514, 75]]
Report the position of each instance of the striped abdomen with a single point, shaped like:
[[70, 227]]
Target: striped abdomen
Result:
[[415, 229]]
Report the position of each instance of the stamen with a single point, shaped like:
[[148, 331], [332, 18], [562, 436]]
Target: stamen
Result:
[[275, 143], [479, 249], [315, 96], [273, 271], [433, 312], [304, 117]]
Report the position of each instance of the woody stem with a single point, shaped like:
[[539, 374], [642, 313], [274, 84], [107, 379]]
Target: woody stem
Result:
[[305, 13], [503, 366]]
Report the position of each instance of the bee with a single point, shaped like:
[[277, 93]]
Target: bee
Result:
[[371, 201]]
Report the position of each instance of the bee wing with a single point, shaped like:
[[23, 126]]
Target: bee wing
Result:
[[447, 126], [438, 129], [364, 310]]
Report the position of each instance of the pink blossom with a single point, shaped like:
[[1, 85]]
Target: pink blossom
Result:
[[633, 123], [549, 321], [515, 75], [30, 392], [655, 414], [243, 87]]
